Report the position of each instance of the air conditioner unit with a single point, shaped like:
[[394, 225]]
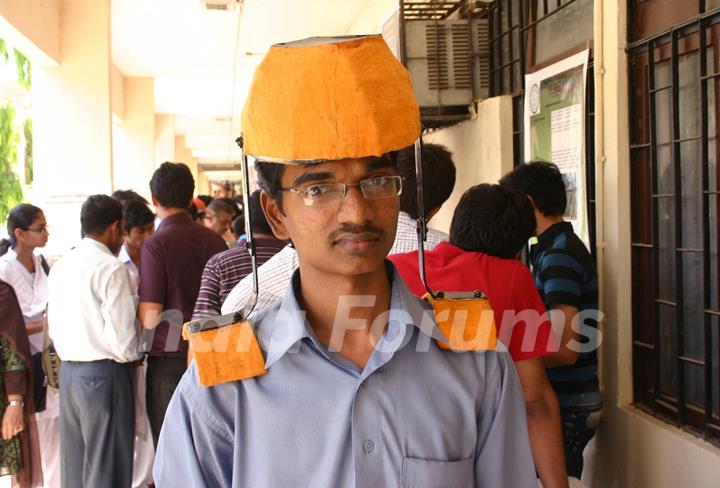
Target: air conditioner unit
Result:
[[449, 63]]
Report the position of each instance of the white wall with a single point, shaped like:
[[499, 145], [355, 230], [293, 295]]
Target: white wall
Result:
[[134, 138], [72, 120], [369, 20], [482, 151]]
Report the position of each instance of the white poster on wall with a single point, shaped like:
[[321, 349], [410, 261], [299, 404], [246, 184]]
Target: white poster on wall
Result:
[[555, 129]]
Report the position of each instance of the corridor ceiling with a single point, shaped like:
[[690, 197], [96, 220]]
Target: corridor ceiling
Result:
[[190, 52]]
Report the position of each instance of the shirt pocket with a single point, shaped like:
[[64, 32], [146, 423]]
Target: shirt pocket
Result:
[[423, 473]]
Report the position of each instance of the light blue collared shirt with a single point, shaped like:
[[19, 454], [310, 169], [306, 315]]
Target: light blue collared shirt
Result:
[[416, 415]]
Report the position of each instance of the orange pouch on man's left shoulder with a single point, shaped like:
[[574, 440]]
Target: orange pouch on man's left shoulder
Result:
[[468, 324], [225, 354]]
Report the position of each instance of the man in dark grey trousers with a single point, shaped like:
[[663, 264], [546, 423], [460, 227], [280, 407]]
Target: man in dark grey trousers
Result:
[[92, 323]]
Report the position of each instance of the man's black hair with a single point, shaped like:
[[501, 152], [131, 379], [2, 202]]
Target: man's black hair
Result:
[[222, 205], [238, 226], [98, 213], [269, 176], [438, 178], [232, 203], [172, 185], [257, 217], [136, 214], [206, 199], [193, 211], [542, 182], [492, 219], [125, 196]]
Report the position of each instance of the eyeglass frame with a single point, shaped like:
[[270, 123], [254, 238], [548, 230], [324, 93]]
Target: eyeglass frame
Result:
[[40, 230], [301, 190]]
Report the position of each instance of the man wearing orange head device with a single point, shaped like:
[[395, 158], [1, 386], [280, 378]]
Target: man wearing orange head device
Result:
[[353, 389]]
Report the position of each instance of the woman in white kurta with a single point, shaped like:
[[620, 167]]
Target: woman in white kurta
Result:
[[25, 271]]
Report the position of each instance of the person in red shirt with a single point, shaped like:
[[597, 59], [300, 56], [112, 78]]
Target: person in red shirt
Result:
[[490, 226]]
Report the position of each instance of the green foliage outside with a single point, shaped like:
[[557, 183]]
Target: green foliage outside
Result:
[[10, 189], [29, 170], [23, 70]]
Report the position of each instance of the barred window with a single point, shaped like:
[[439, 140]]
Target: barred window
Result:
[[674, 69], [524, 37]]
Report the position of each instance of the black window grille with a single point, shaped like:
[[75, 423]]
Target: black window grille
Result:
[[674, 81], [524, 37]]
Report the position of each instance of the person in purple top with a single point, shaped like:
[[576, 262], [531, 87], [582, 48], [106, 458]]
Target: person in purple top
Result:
[[172, 260]]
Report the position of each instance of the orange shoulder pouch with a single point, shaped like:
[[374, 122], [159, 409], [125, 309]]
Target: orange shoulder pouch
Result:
[[224, 349], [466, 319]]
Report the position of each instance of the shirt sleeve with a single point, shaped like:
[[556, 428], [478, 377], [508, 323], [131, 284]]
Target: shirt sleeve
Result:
[[530, 328], [118, 313], [274, 279], [503, 456], [192, 450], [561, 276], [208, 300], [153, 278]]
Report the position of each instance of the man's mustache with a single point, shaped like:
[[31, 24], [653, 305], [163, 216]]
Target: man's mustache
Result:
[[347, 230]]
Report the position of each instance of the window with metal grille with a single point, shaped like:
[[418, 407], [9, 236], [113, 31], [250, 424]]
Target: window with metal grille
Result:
[[674, 69], [526, 35]]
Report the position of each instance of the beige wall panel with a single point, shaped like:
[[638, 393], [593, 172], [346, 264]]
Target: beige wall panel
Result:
[[164, 139], [482, 151], [134, 146], [33, 26]]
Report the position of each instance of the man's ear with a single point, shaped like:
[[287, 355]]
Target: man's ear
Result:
[[274, 216], [532, 201], [154, 200], [432, 213]]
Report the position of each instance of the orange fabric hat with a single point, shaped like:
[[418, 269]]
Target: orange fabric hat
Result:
[[329, 99]]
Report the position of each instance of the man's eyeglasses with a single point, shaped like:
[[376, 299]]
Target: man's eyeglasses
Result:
[[373, 188], [39, 230]]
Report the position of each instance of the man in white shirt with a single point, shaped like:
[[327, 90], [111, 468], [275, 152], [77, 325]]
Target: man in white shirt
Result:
[[438, 182], [92, 323]]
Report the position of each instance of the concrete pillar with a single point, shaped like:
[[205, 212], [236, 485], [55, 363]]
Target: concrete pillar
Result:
[[134, 144], [184, 155], [164, 139], [72, 120]]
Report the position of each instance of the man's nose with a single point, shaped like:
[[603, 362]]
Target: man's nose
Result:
[[354, 207]]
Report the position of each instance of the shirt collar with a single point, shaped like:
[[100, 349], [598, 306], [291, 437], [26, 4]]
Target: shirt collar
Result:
[[91, 243], [283, 328], [124, 256], [546, 239], [174, 219]]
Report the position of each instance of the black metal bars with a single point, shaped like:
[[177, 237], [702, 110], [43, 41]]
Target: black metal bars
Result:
[[673, 357]]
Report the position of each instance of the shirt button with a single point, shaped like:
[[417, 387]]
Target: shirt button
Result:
[[368, 446]]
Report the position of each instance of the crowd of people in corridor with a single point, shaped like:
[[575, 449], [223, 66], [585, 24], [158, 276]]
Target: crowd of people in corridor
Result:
[[130, 412]]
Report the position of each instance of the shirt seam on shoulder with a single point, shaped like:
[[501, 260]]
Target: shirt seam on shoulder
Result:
[[211, 423]]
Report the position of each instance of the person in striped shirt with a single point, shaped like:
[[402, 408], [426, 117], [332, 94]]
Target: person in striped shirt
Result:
[[565, 276], [225, 270]]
